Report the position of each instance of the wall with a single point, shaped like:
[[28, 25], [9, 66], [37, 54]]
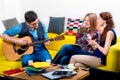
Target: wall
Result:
[[67, 8], [9, 9], [2, 14]]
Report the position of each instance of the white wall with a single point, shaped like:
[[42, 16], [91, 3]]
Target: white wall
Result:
[[9, 9], [67, 8], [2, 14]]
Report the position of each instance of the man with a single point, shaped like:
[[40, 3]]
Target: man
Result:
[[34, 28]]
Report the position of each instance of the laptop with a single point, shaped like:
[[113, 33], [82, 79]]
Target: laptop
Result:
[[55, 75]]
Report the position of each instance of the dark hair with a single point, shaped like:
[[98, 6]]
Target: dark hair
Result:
[[109, 21], [30, 16]]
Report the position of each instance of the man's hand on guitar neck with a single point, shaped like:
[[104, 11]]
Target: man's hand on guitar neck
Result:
[[47, 43]]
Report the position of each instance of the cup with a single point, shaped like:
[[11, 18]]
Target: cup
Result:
[[48, 61], [30, 62], [71, 66]]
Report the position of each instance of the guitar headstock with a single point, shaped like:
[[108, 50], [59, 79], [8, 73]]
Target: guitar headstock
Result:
[[60, 37]]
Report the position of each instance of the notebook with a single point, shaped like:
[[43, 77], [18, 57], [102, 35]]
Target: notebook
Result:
[[40, 64]]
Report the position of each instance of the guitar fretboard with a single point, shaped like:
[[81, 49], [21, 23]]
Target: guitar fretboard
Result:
[[40, 42]]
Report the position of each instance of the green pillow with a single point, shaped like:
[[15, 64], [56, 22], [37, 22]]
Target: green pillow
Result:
[[56, 25]]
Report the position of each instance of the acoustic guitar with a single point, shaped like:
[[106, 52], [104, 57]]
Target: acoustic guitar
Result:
[[13, 51]]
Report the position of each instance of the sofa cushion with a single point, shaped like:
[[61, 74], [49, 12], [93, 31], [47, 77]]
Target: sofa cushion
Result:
[[52, 53], [73, 25], [56, 25], [1, 52], [8, 23], [118, 39], [55, 46], [8, 65]]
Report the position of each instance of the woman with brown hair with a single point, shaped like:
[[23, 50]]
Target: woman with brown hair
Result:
[[81, 46], [108, 38]]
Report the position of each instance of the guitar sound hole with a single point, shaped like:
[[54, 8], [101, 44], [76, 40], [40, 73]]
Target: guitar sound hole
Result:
[[22, 49]]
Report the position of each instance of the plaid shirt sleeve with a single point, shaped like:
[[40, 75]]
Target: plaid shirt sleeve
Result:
[[96, 36]]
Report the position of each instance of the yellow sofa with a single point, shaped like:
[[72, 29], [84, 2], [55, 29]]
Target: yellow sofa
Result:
[[112, 59], [5, 64]]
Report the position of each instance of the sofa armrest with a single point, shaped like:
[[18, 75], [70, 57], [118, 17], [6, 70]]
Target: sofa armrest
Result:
[[113, 56], [1, 52], [118, 39], [112, 63]]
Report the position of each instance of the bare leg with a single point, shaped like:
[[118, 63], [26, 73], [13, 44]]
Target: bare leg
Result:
[[83, 60]]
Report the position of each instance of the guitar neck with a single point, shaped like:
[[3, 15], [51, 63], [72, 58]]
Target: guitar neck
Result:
[[40, 42]]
